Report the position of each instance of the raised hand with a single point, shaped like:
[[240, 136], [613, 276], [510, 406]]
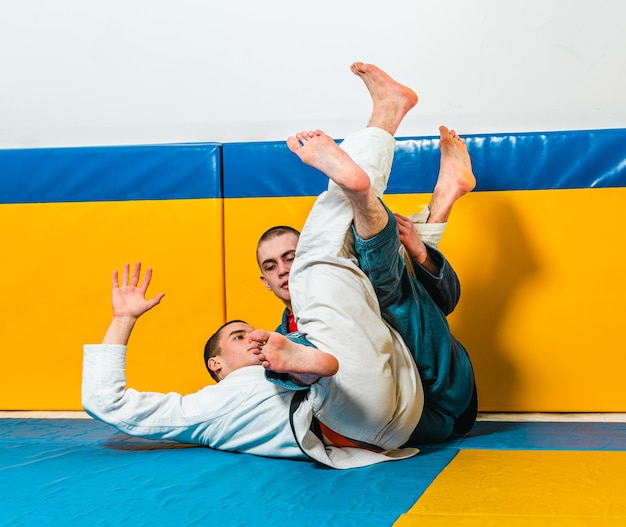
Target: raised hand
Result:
[[129, 303], [129, 298]]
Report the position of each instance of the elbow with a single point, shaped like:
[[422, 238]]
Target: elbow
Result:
[[88, 402], [92, 403]]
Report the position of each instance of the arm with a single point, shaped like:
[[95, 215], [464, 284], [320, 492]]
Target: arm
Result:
[[105, 395], [104, 392], [431, 268], [230, 415]]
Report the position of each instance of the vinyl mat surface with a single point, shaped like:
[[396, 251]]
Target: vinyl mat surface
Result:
[[81, 472]]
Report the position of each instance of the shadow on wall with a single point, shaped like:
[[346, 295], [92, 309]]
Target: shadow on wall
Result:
[[494, 259]]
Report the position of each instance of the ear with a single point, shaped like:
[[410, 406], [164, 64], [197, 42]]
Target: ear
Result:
[[214, 365], [265, 283]]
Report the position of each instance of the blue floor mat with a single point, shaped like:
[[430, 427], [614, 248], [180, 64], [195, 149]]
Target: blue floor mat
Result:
[[82, 472]]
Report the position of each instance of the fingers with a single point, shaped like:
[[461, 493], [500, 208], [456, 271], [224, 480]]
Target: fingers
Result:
[[134, 279], [136, 271], [146, 278], [155, 301], [125, 270], [403, 222], [401, 219]]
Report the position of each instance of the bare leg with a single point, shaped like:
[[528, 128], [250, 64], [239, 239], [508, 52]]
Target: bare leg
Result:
[[455, 180], [318, 150], [391, 99], [455, 176], [391, 102], [304, 364]]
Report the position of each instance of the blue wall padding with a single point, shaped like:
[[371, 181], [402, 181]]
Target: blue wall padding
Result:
[[522, 161], [110, 173], [550, 160], [267, 169]]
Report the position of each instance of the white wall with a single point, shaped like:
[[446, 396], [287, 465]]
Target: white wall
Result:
[[77, 72]]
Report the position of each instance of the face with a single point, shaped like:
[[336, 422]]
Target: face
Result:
[[235, 350], [275, 259]]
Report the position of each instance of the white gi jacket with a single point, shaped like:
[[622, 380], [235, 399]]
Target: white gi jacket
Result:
[[243, 413]]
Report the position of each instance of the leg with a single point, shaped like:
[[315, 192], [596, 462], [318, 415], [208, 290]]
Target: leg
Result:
[[376, 396], [455, 179], [391, 99], [304, 364], [371, 149], [318, 150], [455, 176], [349, 168], [334, 302], [337, 310], [443, 364]]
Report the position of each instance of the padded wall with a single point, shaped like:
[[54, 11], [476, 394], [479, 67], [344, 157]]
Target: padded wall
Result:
[[538, 247], [68, 217]]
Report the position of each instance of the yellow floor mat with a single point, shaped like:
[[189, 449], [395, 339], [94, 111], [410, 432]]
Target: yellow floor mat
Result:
[[514, 488]]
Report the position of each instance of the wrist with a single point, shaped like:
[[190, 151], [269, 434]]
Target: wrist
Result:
[[119, 330], [420, 254], [124, 320]]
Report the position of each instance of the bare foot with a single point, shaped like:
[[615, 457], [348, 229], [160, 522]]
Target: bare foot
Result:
[[455, 175], [391, 99], [305, 364], [320, 151]]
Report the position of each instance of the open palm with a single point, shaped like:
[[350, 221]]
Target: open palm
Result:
[[129, 297]]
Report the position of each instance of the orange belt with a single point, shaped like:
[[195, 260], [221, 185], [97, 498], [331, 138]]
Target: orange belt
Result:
[[339, 440]]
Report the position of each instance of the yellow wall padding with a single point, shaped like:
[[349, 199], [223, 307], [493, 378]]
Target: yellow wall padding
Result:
[[540, 314], [543, 295], [542, 289], [56, 281], [245, 219], [539, 488]]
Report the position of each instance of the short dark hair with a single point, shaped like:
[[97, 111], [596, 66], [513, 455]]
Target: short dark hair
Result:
[[212, 348], [274, 232]]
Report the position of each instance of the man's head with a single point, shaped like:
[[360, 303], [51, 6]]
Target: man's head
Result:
[[275, 253], [228, 349]]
